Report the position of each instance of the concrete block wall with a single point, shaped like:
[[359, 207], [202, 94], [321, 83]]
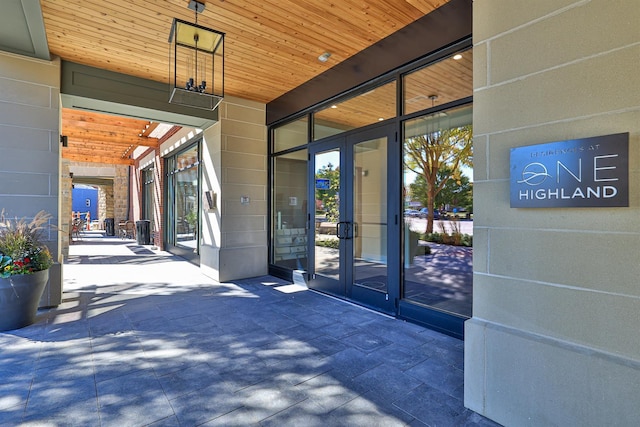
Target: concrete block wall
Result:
[[235, 168], [66, 193], [30, 143], [113, 199], [554, 335], [121, 203]]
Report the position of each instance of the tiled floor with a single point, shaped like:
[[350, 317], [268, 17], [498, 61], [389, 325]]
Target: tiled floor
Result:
[[143, 338]]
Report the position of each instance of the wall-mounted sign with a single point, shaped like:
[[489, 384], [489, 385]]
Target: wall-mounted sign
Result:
[[589, 172], [323, 184], [211, 199]]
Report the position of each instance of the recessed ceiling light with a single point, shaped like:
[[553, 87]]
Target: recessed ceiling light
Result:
[[324, 57], [457, 56], [334, 106], [380, 119]]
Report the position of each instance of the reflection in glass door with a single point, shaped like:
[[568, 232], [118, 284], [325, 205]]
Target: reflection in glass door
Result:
[[350, 220], [370, 216], [183, 217], [328, 242]]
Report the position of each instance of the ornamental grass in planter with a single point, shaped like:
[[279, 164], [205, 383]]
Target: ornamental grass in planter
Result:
[[24, 269]]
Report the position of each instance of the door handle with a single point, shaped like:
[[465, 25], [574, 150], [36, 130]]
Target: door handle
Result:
[[343, 229]]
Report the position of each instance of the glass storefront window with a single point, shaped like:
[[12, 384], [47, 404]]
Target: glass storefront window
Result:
[[370, 107], [184, 209], [291, 135], [438, 201], [148, 197], [289, 210], [440, 83]]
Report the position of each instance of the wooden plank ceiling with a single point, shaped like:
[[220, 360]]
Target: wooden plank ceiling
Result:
[[271, 47]]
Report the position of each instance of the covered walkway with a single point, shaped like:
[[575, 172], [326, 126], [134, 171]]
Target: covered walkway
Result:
[[143, 338]]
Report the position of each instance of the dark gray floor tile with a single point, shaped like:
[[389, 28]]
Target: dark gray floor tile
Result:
[[296, 371], [138, 410], [313, 320], [245, 370], [433, 407], [393, 330], [306, 413], [339, 330], [366, 341], [350, 363], [191, 379], [388, 382], [71, 414], [14, 389], [259, 402], [276, 322], [226, 354], [401, 358], [438, 374], [287, 351], [364, 411], [477, 420], [451, 354], [171, 421], [301, 332], [128, 387], [360, 316], [204, 405], [12, 414], [49, 397], [327, 392], [327, 345], [67, 353]]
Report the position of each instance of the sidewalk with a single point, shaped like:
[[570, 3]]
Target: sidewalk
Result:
[[143, 338]]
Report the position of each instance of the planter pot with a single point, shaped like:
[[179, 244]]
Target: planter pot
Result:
[[19, 298]]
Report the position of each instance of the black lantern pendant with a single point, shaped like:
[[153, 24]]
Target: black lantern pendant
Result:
[[197, 63]]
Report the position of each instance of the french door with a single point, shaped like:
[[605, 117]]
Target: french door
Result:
[[353, 244]]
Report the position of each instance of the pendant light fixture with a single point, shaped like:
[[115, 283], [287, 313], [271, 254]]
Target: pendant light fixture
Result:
[[196, 63]]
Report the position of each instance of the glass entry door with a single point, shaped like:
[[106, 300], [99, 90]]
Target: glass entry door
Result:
[[349, 219]]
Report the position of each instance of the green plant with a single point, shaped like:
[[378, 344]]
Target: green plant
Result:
[[191, 218], [21, 248], [456, 238], [332, 243]]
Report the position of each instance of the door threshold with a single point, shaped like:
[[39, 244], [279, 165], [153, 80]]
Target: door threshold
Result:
[[346, 301]]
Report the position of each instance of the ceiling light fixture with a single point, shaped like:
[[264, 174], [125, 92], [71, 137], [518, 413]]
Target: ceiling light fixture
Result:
[[196, 62], [457, 56], [324, 57]]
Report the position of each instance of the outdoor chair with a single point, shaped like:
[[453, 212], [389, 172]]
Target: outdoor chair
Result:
[[128, 231], [75, 229]]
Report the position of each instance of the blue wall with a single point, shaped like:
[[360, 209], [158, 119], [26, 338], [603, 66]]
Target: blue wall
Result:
[[81, 197]]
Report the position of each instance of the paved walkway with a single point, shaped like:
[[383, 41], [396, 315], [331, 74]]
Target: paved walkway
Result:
[[143, 338]]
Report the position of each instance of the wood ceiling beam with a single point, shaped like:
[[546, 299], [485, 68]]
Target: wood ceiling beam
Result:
[[97, 149], [103, 119], [103, 127], [110, 138], [97, 159]]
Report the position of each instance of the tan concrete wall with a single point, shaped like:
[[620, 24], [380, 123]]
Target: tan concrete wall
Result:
[[554, 335], [30, 144], [113, 199], [65, 207], [235, 166]]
